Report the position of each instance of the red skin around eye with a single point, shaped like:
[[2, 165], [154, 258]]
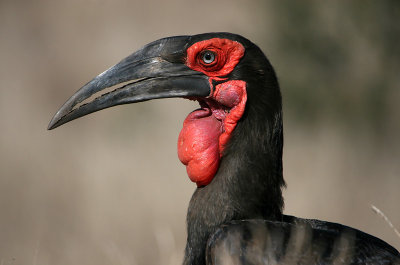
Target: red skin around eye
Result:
[[206, 131], [228, 54]]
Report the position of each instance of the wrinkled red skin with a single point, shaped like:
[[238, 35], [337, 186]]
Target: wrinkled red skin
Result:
[[206, 131], [228, 53], [198, 147], [233, 95]]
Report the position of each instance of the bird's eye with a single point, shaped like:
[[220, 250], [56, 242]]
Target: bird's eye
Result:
[[208, 57]]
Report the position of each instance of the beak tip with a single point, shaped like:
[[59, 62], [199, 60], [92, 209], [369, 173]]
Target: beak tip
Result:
[[59, 117], [52, 125], [55, 122]]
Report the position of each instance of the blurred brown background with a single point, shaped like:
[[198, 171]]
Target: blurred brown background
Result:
[[109, 188]]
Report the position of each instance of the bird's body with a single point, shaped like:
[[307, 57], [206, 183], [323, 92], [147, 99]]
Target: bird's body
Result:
[[232, 149], [296, 241]]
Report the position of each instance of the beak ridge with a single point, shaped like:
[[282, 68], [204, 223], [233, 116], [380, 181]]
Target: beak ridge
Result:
[[150, 76]]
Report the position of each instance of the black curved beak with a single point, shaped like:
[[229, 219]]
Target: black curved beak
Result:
[[155, 71]]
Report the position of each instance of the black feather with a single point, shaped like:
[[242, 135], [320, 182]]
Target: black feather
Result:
[[248, 185]]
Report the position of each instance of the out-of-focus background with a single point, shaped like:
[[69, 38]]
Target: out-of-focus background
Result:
[[109, 188]]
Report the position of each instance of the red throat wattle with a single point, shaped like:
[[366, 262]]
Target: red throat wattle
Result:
[[207, 130]]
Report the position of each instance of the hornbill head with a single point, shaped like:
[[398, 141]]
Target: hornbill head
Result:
[[227, 74]]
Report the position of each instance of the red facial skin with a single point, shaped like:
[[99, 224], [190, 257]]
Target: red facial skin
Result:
[[206, 131], [228, 53], [233, 95]]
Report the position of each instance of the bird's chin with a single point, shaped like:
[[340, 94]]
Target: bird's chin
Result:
[[198, 142], [207, 130]]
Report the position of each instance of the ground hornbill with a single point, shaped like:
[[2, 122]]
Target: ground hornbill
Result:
[[232, 149]]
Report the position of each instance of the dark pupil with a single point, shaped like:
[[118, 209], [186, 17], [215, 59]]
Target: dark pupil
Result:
[[208, 57]]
